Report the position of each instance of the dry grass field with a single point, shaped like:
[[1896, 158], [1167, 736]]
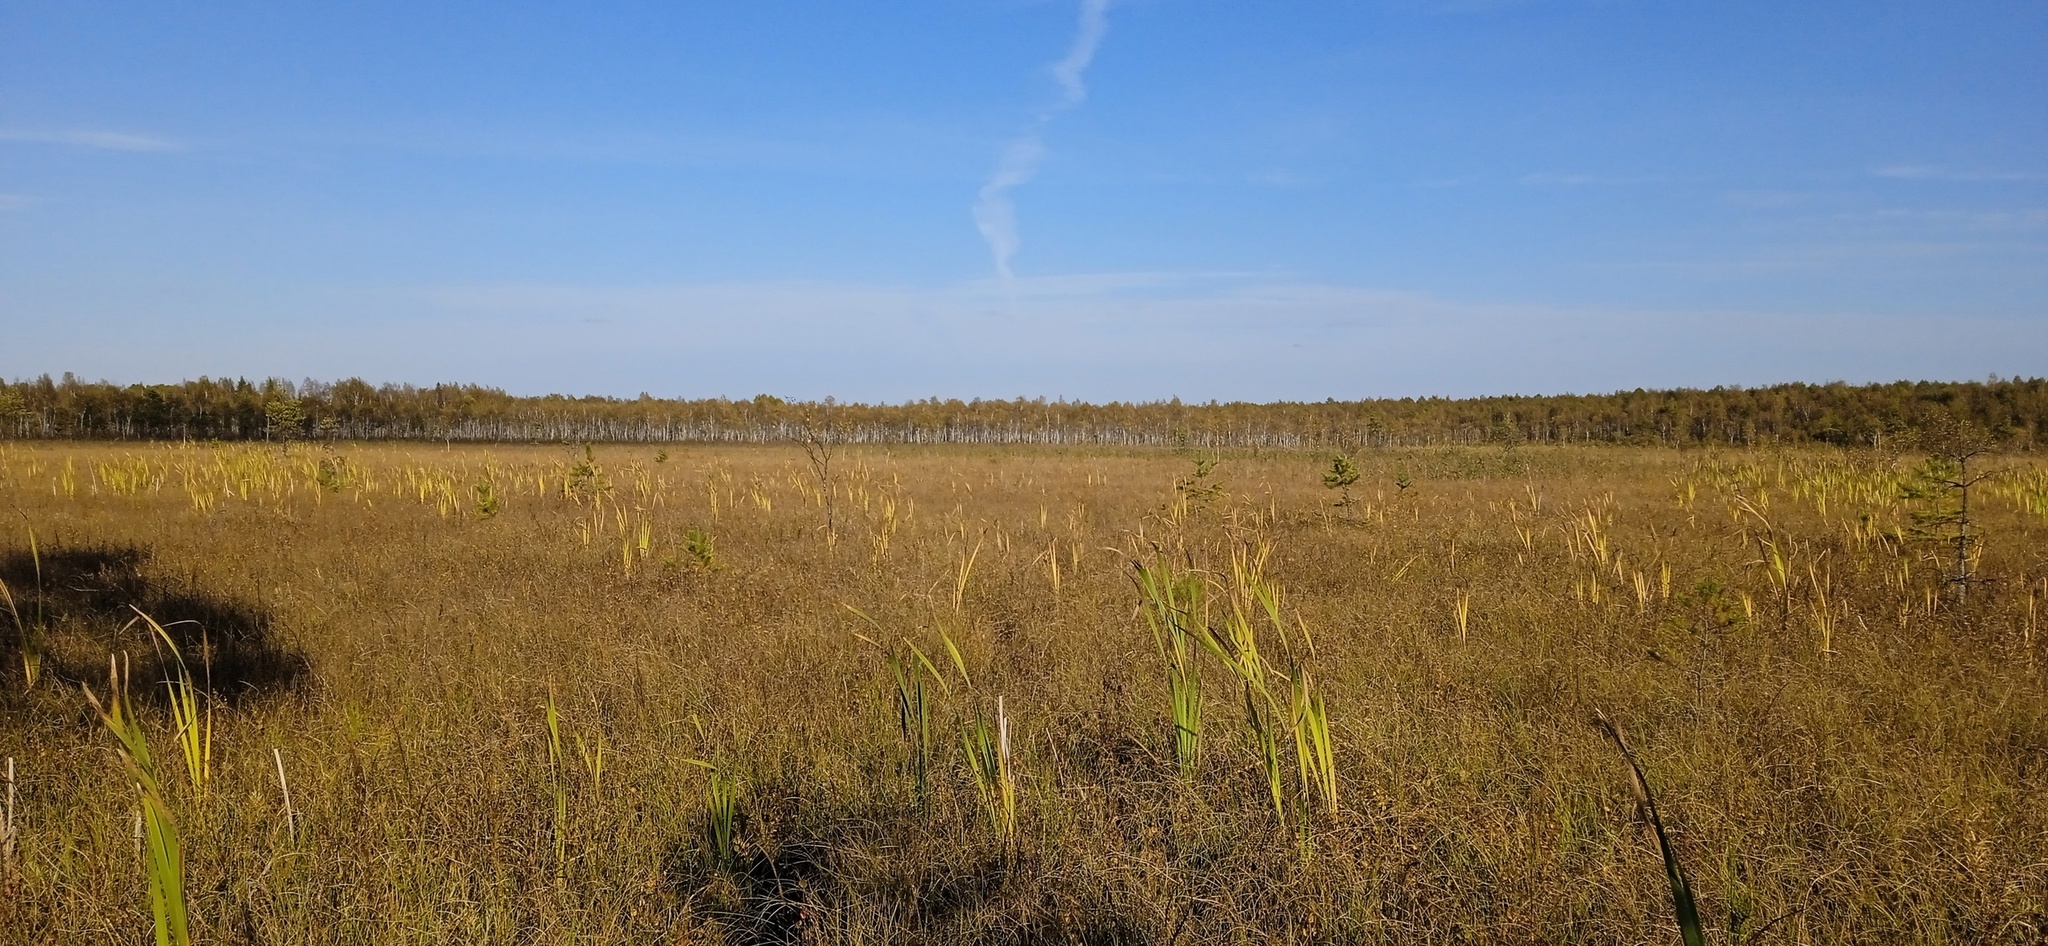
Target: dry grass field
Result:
[[534, 695]]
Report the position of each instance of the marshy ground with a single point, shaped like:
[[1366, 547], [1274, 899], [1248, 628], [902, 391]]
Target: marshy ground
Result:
[[517, 693]]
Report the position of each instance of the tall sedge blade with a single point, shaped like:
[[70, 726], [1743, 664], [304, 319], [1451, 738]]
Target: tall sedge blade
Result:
[[1683, 907]]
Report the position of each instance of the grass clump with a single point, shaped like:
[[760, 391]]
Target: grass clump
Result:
[[163, 852]]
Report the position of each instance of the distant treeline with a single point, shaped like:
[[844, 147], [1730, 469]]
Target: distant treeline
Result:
[[275, 409]]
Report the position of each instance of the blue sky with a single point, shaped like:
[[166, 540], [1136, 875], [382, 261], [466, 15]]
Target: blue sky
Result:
[[994, 198]]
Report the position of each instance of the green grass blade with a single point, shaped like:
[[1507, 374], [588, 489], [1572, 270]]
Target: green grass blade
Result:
[[1683, 907]]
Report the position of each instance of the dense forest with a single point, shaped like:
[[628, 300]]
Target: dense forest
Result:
[[277, 409]]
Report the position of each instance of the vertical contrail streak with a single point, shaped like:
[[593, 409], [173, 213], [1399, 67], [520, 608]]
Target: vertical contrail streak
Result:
[[994, 213], [1094, 23]]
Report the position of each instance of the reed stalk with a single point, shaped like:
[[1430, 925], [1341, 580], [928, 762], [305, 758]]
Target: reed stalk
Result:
[[157, 831], [193, 731], [1683, 908]]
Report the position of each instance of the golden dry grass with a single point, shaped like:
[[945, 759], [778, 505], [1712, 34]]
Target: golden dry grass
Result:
[[1843, 753]]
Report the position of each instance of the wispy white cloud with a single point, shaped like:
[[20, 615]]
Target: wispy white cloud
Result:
[[1870, 256], [995, 214], [1473, 6], [1100, 336], [2032, 218], [1196, 335], [1589, 180], [1087, 38], [97, 140], [1922, 172], [1766, 199], [1281, 178], [860, 145], [1068, 286]]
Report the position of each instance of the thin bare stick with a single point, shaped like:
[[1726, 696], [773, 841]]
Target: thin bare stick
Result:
[[7, 830], [291, 825]]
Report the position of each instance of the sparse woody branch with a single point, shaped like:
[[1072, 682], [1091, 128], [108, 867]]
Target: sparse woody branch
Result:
[[1945, 481]]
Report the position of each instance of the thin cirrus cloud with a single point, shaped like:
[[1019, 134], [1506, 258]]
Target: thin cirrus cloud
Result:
[[1919, 172], [1098, 336], [1590, 180], [1107, 336], [995, 214], [1282, 178], [1943, 219], [92, 139]]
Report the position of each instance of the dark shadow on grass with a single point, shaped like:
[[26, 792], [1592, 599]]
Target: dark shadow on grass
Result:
[[758, 900], [824, 882], [80, 605]]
